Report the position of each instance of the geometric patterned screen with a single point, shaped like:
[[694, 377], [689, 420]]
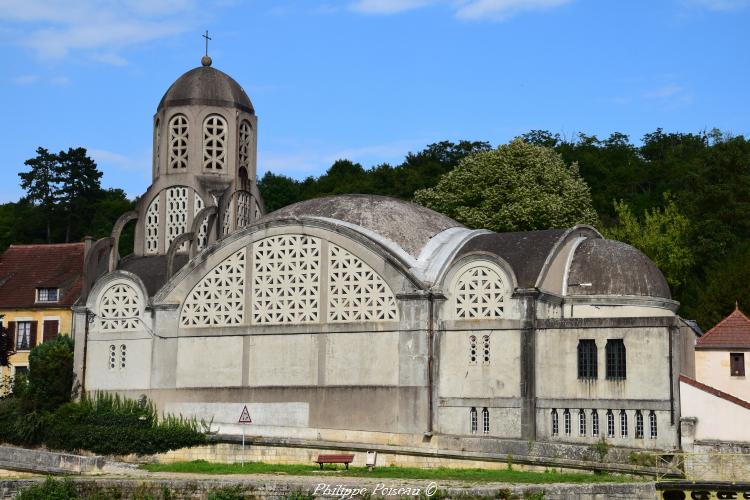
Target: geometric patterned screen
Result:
[[177, 200], [355, 291], [479, 293], [119, 308], [286, 279], [152, 226], [285, 283], [219, 298], [203, 230]]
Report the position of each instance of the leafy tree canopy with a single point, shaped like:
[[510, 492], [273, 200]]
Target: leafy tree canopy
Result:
[[517, 187]]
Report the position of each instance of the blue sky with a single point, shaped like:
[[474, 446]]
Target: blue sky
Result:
[[367, 80]]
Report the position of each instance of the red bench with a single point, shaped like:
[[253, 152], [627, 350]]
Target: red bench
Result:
[[334, 459]]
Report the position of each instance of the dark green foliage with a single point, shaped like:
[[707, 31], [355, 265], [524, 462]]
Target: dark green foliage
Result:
[[227, 493], [50, 489], [64, 202], [6, 344], [50, 378]]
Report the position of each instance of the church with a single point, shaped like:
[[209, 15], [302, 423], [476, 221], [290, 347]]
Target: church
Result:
[[366, 318]]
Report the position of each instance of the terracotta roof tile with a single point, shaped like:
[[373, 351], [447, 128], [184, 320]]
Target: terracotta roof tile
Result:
[[732, 331], [24, 268]]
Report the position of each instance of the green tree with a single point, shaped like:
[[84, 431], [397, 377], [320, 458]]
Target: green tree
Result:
[[80, 185], [517, 187], [41, 184], [664, 234], [279, 191]]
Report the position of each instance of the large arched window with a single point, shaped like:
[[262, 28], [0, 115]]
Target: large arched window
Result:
[[214, 142], [178, 142], [479, 292]]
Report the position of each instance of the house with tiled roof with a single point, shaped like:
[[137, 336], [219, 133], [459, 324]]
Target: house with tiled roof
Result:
[[38, 286], [722, 356]]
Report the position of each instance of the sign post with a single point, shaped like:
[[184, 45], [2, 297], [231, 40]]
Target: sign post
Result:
[[244, 420]]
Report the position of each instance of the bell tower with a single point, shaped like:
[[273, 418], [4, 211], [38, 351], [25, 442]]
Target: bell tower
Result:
[[204, 156]]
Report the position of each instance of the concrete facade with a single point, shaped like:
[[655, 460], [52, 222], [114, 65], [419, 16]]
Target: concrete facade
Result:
[[375, 316]]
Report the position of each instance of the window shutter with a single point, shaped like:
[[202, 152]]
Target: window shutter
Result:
[[49, 331], [12, 334], [32, 334]]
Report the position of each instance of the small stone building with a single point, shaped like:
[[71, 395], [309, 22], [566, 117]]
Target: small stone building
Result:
[[364, 318]]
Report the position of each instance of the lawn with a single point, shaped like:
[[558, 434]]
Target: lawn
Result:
[[472, 475]]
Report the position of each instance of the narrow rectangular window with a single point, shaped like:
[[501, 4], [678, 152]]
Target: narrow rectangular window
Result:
[[23, 335], [610, 424], [587, 364], [737, 364], [555, 423], [566, 421], [581, 423], [473, 420], [594, 423], [623, 424], [652, 423], [638, 424], [615, 352], [485, 420], [486, 345]]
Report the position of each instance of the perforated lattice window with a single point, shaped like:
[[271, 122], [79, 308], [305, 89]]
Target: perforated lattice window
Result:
[[226, 225], [472, 350], [245, 144], [152, 226], [244, 201], [112, 356], [480, 293], [119, 308], [177, 200], [214, 142], [486, 350], [219, 298], [286, 279], [178, 142], [203, 230], [355, 291]]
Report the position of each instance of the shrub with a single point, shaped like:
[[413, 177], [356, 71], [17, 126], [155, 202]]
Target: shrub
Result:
[[50, 489], [50, 379], [227, 493]]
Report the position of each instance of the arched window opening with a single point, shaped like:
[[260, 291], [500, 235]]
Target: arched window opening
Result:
[[473, 420], [555, 423], [615, 351], [178, 142], [473, 350], [581, 422], [566, 422], [480, 293], [485, 420], [610, 424], [244, 182], [594, 423], [652, 423], [638, 424], [214, 143], [623, 424]]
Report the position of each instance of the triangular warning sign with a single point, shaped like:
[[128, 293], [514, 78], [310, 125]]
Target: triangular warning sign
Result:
[[245, 417]]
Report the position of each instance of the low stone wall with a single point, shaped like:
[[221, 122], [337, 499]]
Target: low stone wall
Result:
[[275, 488], [48, 462], [289, 451]]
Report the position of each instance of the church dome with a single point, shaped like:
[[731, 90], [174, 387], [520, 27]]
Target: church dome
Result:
[[209, 87], [609, 267], [407, 224]]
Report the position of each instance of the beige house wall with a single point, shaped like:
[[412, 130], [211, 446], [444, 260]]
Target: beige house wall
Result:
[[712, 368]]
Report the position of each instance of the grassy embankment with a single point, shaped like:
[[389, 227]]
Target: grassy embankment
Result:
[[474, 475]]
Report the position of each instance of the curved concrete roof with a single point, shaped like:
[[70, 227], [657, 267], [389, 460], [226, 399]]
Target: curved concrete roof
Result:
[[206, 86], [609, 267], [407, 224]]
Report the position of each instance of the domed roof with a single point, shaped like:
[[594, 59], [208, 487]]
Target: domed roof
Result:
[[609, 267], [407, 224], [206, 86]]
